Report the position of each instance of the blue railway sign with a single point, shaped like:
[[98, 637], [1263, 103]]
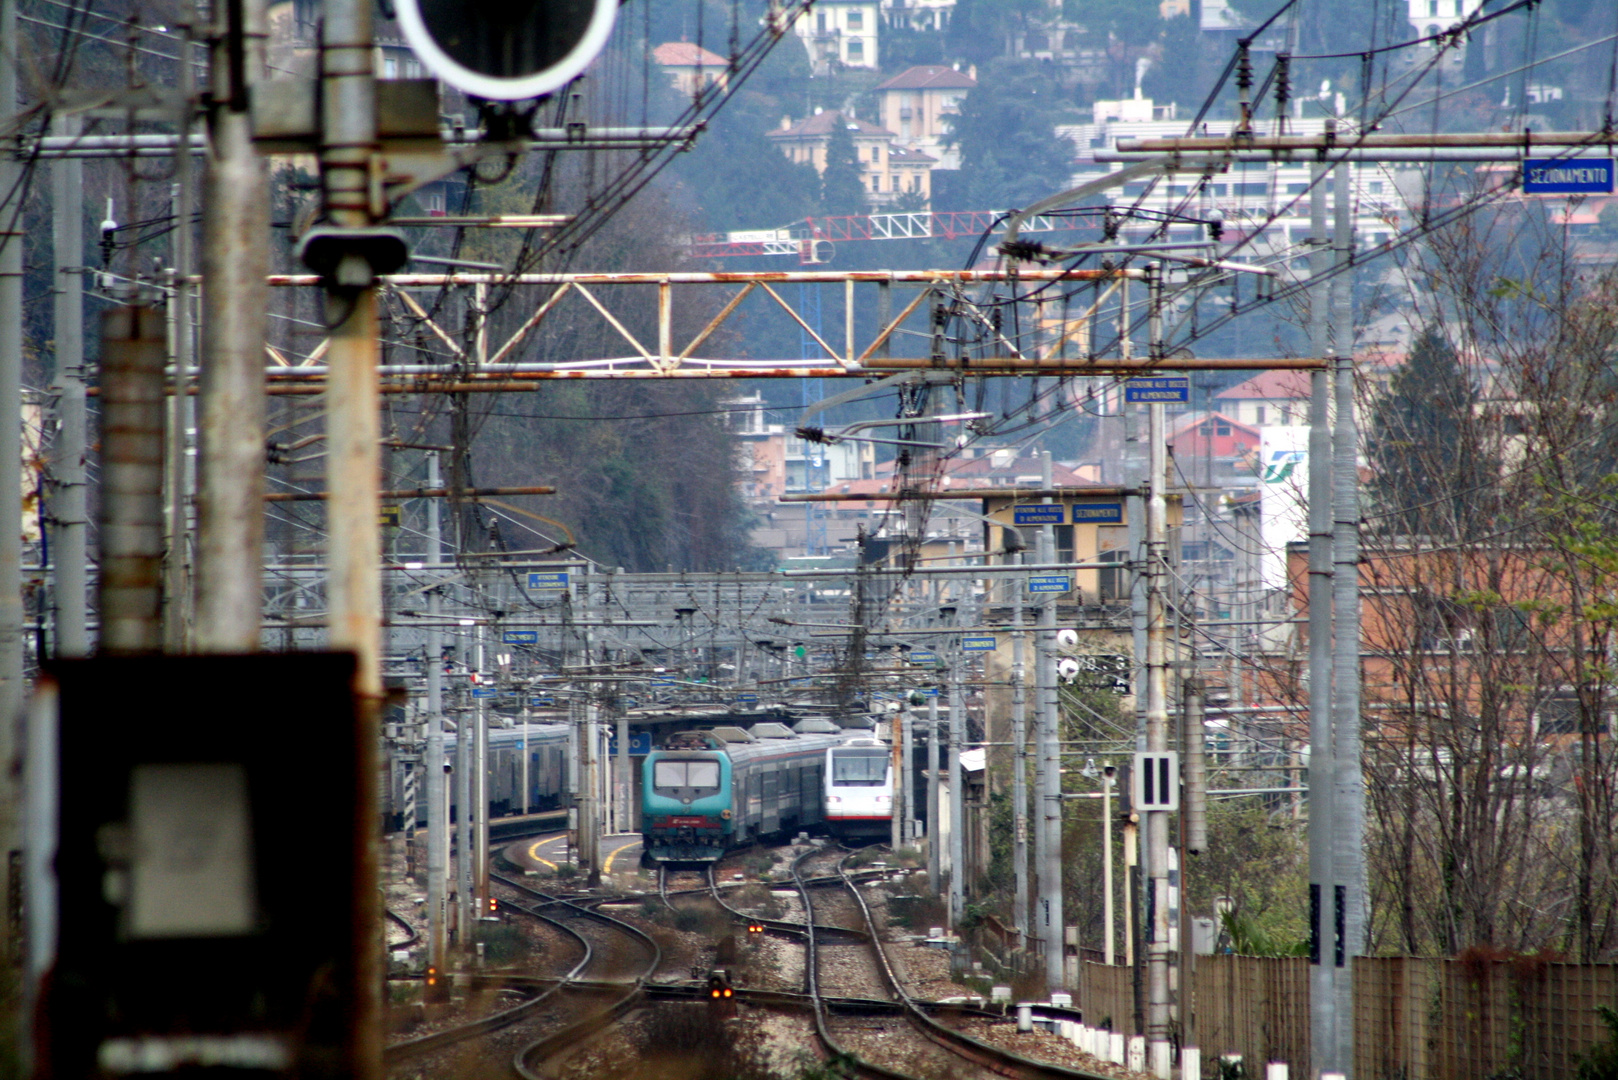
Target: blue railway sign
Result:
[[542, 702], [978, 644], [520, 637], [747, 699], [923, 656], [484, 692], [1052, 584], [1158, 388], [1562, 176], [549, 579], [1039, 514], [1107, 513]]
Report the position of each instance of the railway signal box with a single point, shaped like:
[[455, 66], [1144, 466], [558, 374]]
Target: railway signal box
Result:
[[202, 885]]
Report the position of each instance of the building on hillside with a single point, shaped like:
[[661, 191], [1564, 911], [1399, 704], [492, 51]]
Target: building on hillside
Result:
[[887, 172], [917, 105], [933, 15], [839, 33], [1270, 397], [690, 67], [1429, 18], [1268, 201]]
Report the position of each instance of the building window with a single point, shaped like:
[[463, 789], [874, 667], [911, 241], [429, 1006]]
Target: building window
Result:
[[1258, 415], [820, 21], [856, 50], [390, 67], [1374, 187], [1221, 429], [856, 19], [1432, 9]]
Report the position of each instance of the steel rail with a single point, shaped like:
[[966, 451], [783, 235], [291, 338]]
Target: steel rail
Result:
[[980, 1053], [399, 920], [409, 1049], [526, 1059], [811, 977], [782, 926]]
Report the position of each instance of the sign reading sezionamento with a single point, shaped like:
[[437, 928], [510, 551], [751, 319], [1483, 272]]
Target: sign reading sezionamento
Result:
[[1108, 513], [1557, 176]]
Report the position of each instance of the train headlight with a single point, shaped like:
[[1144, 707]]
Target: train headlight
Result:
[[725, 814], [834, 798]]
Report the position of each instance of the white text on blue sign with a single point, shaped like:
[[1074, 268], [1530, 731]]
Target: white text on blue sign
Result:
[[1550, 176], [1098, 513], [1049, 584], [1161, 388], [1039, 514], [520, 637], [977, 644], [555, 579], [922, 656]]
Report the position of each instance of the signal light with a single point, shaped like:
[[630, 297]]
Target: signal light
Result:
[[755, 928], [435, 990], [506, 51], [728, 991], [494, 906], [432, 976]]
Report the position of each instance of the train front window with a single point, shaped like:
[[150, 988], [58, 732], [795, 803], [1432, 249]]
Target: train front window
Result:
[[859, 770], [685, 775]]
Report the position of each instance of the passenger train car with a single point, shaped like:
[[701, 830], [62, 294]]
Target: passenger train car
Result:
[[546, 776], [702, 796], [859, 789]]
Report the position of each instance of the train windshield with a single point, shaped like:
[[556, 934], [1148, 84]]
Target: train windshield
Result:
[[859, 768], [668, 773]]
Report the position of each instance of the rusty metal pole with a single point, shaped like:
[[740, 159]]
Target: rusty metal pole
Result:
[[133, 348], [353, 430], [235, 324]]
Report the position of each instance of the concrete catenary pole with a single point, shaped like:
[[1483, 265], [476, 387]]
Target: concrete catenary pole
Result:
[[463, 830], [935, 835], [957, 790], [1158, 1003], [1348, 800], [433, 764], [480, 790], [12, 690], [1322, 774], [177, 568], [353, 432], [1016, 592], [68, 508], [1050, 766], [235, 325], [133, 347], [906, 780]]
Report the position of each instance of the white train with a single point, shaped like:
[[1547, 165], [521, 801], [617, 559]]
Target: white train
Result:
[[859, 789]]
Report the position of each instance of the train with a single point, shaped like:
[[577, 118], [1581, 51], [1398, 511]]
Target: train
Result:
[[859, 789], [546, 778], [704, 794]]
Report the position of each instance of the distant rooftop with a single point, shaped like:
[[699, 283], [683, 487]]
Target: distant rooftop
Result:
[[930, 77], [687, 54], [823, 123]]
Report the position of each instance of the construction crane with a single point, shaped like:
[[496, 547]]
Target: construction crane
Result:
[[813, 240]]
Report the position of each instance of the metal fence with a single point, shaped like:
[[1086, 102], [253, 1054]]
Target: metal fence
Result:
[[1414, 1018]]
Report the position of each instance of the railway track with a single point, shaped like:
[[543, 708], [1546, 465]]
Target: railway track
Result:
[[985, 1055], [529, 1060], [598, 959]]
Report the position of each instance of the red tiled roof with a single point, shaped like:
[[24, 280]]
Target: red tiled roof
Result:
[[1269, 385], [687, 54], [821, 124], [930, 77]]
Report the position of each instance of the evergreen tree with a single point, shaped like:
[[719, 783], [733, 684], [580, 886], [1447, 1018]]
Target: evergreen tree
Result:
[[1010, 154], [842, 187], [1435, 468]]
